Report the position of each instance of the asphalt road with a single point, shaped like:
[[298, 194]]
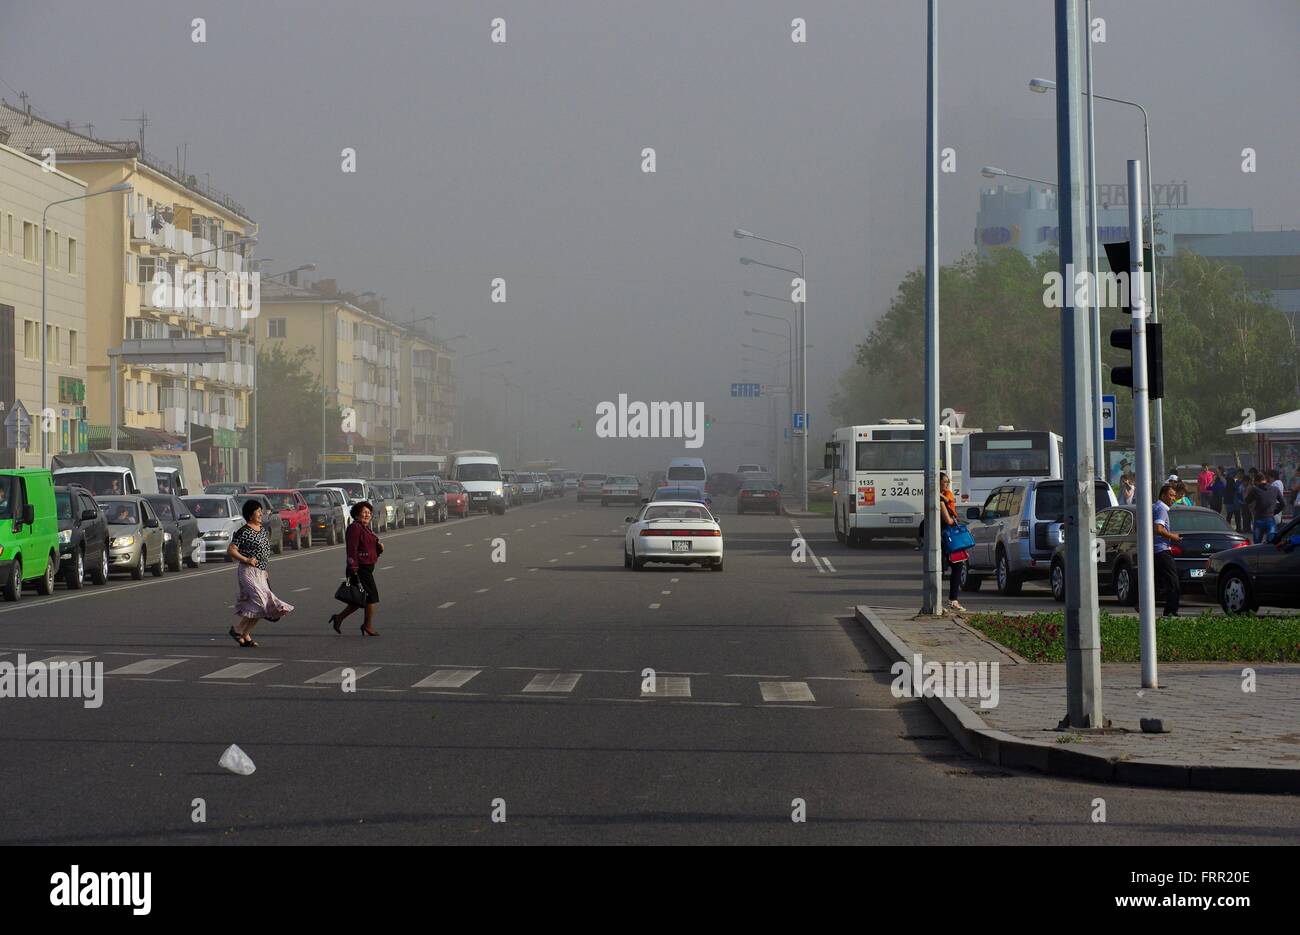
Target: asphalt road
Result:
[[516, 687]]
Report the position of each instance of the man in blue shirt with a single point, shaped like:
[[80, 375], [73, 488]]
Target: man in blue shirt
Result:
[[1166, 570]]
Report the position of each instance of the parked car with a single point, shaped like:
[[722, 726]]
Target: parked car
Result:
[[328, 508], [181, 539], [83, 536], [457, 498], [1267, 574], [1013, 535], [589, 486], [1204, 533], [819, 485], [387, 503], [758, 496], [412, 502], [218, 516], [270, 518], [513, 489], [135, 535], [295, 515], [29, 531], [435, 498]]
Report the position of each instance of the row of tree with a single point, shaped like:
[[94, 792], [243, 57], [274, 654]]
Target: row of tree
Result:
[[1228, 351]]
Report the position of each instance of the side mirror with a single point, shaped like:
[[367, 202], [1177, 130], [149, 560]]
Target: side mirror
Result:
[[186, 516], [645, 499], [88, 514], [629, 519], [972, 512], [151, 523], [29, 514]]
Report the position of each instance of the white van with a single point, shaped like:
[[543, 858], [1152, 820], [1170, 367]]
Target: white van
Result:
[[479, 472], [686, 472]]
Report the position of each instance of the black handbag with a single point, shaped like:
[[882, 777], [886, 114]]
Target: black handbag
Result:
[[351, 592]]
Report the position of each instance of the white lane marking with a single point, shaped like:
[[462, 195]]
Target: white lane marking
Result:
[[299, 590], [669, 686], [553, 682], [481, 591], [665, 592], [510, 579], [673, 580], [445, 605], [385, 567], [582, 546], [568, 553], [532, 569], [335, 676], [447, 678], [242, 670], [816, 562], [145, 667], [552, 559], [469, 545], [785, 691], [827, 562], [420, 559], [654, 606], [56, 660], [446, 551], [595, 540]]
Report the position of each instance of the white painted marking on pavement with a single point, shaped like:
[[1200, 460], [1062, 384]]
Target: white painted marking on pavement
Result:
[[669, 686], [785, 691], [447, 678], [145, 667], [242, 670], [481, 591], [654, 606], [335, 676], [445, 605], [299, 590], [553, 682]]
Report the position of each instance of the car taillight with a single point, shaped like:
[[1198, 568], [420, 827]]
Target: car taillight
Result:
[[1241, 545], [773, 493], [1176, 550], [680, 532], [1022, 531]]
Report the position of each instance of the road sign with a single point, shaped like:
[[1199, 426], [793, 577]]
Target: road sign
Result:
[[800, 420], [18, 426], [1108, 418], [771, 389], [747, 389]]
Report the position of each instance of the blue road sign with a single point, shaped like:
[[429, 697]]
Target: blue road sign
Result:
[[747, 390], [1108, 418], [800, 420]]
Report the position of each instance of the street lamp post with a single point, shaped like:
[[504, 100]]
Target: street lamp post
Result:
[[802, 328], [993, 172], [118, 188]]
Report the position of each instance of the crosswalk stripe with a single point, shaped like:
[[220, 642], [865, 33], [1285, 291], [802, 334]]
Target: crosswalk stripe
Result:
[[335, 676], [146, 667], [447, 678], [56, 660], [553, 682], [445, 605], [786, 691], [242, 670], [669, 686]]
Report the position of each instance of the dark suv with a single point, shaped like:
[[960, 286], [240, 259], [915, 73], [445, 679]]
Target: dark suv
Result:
[[83, 536], [180, 530]]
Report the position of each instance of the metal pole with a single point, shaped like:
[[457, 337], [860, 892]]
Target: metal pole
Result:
[[113, 366], [1094, 320], [1158, 406], [257, 397], [1082, 634], [323, 395], [45, 449], [392, 416], [189, 412], [931, 602], [803, 385], [1142, 433]]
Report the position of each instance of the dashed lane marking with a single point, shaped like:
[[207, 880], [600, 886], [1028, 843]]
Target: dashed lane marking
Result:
[[447, 678], [335, 676], [654, 606], [553, 682], [145, 667], [242, 670], [445, 605], [785, 691], [669, 686]]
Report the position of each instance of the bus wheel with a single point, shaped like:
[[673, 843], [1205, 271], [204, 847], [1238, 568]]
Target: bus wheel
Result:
[[839, 533]]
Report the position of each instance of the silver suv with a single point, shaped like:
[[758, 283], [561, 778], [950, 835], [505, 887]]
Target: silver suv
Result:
[[1014, 534]]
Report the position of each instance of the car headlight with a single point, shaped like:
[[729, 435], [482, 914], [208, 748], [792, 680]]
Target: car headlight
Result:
[[167, 537], [498, 490], [216, 534], [65, 536], [121, 542], [428, 503]]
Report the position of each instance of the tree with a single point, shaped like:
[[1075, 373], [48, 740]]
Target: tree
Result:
[[290, 409]]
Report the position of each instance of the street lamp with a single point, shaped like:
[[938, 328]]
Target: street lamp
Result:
[[118, 188], [993, 172], [802, 326], [1042, 86]]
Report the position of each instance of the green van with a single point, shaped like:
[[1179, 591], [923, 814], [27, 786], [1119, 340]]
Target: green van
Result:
[[29, 531]]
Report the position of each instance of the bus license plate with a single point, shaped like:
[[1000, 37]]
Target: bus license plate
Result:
[[681, 545], [900, 519], [1197, 572]]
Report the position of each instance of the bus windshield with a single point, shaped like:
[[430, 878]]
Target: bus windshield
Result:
[[1023, 455], [895, 456]]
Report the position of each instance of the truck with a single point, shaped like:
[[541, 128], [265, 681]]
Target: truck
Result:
[[479, 472], [107, 471], [177, 472]]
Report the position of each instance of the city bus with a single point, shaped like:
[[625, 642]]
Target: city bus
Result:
[[878, 479], [991, 459]]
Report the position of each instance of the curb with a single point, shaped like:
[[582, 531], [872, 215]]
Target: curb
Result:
[[1007, 750]]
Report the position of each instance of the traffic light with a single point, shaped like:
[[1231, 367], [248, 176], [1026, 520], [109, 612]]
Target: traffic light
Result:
[[577, 426], [1123, 376], [708, 421]]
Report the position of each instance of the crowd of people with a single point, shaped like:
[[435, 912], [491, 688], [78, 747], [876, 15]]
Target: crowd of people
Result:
[[1251, 500]]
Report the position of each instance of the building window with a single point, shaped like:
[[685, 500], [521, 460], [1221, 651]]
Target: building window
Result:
[[52, 343], [275, 327], [31, 339], [51, 248], [72, 348], [130, 268], [29, 241], [72, 256]]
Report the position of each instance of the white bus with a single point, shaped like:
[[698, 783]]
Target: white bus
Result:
[[878, 479], [991, 459]]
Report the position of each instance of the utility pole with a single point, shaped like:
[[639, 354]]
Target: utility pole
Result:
[[931, 602], [1094, 318], [1082, 632]]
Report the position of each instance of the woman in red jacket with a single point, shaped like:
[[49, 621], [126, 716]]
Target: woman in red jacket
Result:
[[364, 549]]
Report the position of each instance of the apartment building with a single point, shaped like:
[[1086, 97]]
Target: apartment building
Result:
[[27, 187], [170, 224]]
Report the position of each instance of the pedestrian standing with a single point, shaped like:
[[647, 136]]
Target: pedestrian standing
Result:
[[1232, 494], [1127, 489], [364, 549], [956, 558], [1266, 505], [1217, 487], [251, 547], [1204, 481], [1166, 570]]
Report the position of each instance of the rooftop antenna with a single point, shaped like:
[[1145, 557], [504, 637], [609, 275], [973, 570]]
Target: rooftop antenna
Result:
[[27, 106], [143, 120]]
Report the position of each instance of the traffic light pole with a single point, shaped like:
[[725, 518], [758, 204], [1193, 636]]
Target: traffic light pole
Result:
[[1142, 433]]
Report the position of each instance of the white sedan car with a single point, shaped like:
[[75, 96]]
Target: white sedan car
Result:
[[674, 531]]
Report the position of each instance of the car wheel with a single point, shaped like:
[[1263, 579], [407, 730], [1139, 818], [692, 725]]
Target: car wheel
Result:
[[839, 533], [191, 558], [174, 561], [100, 574], [13, 586], [296, 542], [1235, 595], [1008, 581], [160, 566], [329, 536], [305, 536], [717, 565], [138, 571], [627, 559], [1058, 582], [76, 576], [1126, 586], [45, 583], [637, 563]]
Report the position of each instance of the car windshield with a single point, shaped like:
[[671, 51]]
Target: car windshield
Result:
[[97, 482], [426, 487], [64, 500], [1197, 521], [205, 508], [7, 483], [121, 512], [1049, 500], [318, 498], [354, 490], [223, 488], [478, 471], [686, 472], [621, 481], [163, 508], [452, 487], [283, 501], [676, 512], [678, 493]]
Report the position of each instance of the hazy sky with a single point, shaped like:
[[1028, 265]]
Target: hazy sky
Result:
[[523, 160]]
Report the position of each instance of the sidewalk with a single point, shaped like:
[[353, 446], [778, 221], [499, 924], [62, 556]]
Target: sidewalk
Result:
[[1220, 736]]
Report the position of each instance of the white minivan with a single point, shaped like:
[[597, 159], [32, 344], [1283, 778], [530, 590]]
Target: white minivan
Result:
[[479, 472], [686, 472]]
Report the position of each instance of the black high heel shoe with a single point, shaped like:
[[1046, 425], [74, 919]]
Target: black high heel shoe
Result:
[[368, 631], [336, 622]]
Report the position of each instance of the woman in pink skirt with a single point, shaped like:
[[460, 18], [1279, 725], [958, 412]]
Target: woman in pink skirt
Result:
[[251, 547]]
